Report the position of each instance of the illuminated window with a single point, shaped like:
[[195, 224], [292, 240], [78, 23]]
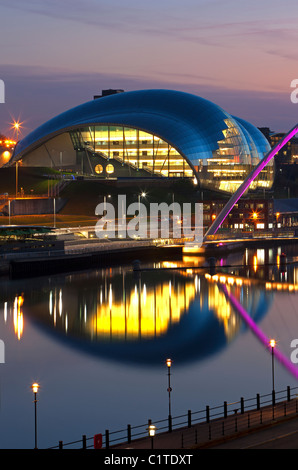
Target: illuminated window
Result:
[[109, 169], [98, 169], [136, 148]]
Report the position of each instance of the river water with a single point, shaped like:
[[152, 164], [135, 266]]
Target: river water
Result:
[[97, 342]]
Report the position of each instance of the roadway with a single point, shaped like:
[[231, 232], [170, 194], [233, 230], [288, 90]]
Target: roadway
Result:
[[282, 435]]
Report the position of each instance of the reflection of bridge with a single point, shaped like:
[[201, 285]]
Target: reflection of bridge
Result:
[[246, 183], [258, 332]]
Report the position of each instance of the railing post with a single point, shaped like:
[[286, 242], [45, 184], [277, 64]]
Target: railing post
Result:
[[107, 439], [189, 418], [128, 433], [258, 401], [170, 423], [288, 393], [60, 444], [242, 405], [225, 409], [84, 442], [273, 397], [207, 414]]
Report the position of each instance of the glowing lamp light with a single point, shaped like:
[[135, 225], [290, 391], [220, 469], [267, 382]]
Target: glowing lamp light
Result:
[[35, 387], [169, 362], [272, 343], [254, 215], [152, 430], [6, 154]]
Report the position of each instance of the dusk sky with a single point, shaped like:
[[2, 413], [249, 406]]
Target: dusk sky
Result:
[[240, 54]]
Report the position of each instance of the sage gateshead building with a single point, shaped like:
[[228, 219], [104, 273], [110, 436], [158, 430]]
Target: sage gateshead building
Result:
[[150, 134]]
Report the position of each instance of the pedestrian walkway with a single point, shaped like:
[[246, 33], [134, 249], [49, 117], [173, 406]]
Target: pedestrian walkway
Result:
[[218, 431]]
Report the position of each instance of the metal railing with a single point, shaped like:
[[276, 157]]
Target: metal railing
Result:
[[206, 424]]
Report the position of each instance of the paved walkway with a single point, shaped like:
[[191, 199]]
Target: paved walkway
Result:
[[229, 432]]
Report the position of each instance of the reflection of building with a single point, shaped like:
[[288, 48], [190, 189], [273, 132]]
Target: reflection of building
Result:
[[147, 311], [124, 308], [153, 134], [142, 319]]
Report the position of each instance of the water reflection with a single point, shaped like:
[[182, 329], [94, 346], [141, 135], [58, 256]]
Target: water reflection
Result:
[[166, 309]]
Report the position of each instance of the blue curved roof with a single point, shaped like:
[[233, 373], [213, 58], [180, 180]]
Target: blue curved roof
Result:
[[191, 124], [259, 140]]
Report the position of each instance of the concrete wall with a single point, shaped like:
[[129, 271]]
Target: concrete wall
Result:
[[34, 206]]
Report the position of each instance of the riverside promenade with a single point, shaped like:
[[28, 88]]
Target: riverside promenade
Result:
[[270, 419], [271, 427]]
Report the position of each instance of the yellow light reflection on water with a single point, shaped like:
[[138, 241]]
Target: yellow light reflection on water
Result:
[[145, 312], [18, 317]]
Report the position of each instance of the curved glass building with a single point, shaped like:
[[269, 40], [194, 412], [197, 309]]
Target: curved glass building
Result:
[[153, 134]]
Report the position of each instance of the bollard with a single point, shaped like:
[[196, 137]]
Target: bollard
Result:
[[60, 444], [84, 442], [128, 433]]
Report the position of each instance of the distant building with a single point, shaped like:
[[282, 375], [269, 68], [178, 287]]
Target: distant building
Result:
[[286, 212], [248, 215], [289, 153], [108, 92]]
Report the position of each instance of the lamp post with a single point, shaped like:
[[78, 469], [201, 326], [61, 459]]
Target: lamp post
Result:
[[35, 388], [169, 364], [143, 194], [151, 430], [272, 345]]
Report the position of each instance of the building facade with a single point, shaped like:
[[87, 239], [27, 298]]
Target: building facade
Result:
[[150, 134]]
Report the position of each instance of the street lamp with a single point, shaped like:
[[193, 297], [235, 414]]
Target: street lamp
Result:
[[169, 364], [272, 343], [35, 387], [143, 194], [151, 430]]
